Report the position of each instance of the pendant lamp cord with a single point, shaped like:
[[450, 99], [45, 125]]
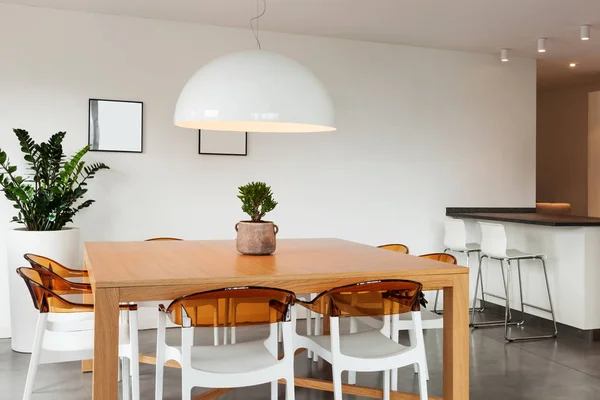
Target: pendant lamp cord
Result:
[[258, 15]]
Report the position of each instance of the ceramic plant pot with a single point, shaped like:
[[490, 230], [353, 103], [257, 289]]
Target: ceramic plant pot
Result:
[[62, 246], [256, 238]]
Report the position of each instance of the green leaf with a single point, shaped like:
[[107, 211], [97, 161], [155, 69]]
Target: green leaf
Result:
[[53, 191]]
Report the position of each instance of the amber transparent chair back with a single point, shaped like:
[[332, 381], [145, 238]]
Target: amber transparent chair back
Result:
[[442, 257], [47, 300], [36, 260], [374, 298], [231, 307], [58, 284], [401, 248], [160, 239]]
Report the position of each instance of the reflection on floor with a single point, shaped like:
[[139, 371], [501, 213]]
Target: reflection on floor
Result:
[[567, 368]]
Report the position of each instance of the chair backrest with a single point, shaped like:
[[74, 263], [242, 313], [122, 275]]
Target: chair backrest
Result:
[[58, 284], [442, 257], [401, 248], [455, 234], [36, 260], [373, 298], [47, 300], [160, 239], [229, 307], [493, 240]]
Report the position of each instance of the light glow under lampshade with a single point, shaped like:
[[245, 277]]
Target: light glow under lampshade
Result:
[[255, 91]]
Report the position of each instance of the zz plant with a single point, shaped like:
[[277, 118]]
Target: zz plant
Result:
[[49, 195], [257, 200]]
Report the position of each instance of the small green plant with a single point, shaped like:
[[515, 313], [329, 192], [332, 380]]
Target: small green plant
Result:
[[47, 197], [257, 200]]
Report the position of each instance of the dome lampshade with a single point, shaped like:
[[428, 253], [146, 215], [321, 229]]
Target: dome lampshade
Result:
[[255, 91]]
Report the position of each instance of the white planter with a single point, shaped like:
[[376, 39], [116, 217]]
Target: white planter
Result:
[[62, 246]]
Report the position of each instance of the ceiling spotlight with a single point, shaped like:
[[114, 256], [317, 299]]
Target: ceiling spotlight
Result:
[[572, 65], [541, 45], [504, 55], [585, 32]]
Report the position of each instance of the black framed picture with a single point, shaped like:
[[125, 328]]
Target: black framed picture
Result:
[[116, 125], [223, 143]]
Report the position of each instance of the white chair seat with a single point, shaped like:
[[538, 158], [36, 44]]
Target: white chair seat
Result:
[[430, 319], [236, 358], [369, 344], [473, 246], [518, 254]]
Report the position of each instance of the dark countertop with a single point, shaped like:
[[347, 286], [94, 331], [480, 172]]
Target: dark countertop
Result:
[[518, 216]]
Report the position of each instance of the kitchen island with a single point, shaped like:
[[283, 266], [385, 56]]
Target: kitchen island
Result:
[[572, 244]]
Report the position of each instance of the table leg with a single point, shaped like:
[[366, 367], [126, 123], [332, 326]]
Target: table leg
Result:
[[87, 365], [456, 339], [106, 344]]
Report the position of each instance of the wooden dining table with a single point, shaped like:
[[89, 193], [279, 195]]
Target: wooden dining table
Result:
[[145, 271]]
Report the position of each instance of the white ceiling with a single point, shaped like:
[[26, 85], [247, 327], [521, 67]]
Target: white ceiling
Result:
[[483, 26]]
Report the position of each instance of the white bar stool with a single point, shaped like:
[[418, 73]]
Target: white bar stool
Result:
[[494, 247], [455, 241]]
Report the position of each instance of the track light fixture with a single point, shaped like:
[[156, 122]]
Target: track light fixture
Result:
[[541, 45], [585, 32], [504, 55]]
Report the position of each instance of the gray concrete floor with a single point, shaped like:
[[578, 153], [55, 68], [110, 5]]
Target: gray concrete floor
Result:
[[566, 368]]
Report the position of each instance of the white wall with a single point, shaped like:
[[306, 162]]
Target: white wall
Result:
[[419, 130]]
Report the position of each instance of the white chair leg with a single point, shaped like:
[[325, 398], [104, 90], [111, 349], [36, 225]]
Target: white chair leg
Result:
[[274, 390], [126, 379], [423, 384], [421, 370], [35, 355], [186, 391], [279, 333], [412, 340], [317, 333], [233, 337], [394, 385], [337, 384], [290, 393], [309, 353], [135, 359], [160, 355], [386, 384], [353, 329]]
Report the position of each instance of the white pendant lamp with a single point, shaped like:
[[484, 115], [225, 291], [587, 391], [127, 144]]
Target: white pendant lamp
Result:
[[255, 91]]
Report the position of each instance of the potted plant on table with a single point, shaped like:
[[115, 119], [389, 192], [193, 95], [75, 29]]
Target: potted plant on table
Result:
[[256, 237], [46, 198]]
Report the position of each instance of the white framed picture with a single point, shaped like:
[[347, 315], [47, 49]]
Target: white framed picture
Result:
[[116, 125], [223, 143]]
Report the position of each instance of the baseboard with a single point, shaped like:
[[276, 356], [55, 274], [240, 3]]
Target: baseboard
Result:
[[588, 335], [4, 332]]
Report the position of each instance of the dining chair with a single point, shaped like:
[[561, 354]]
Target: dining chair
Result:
[[372, 350], [401, 248], [229, 365], [65, 328], [36, 260], [161, 239]]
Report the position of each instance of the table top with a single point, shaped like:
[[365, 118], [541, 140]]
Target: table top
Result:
[[530, 218], [164, 263]]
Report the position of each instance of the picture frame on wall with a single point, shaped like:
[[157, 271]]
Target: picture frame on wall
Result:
[[116, 126], [222, 143]]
